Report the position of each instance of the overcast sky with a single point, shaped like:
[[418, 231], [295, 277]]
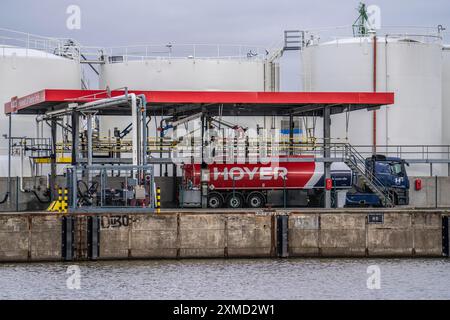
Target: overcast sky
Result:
[[124, 22]]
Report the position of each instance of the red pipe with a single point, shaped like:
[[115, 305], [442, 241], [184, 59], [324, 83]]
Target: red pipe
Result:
[[374, 90]]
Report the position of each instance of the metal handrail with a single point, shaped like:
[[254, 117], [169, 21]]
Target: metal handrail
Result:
[[299, 147], [352, 155], [423, 33], [55, 46], [186, 51]]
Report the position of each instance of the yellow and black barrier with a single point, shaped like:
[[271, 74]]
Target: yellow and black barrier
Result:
[[158, 200], [61, 205]]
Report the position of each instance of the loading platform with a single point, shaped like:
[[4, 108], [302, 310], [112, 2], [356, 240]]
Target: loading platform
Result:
[[51, 104]]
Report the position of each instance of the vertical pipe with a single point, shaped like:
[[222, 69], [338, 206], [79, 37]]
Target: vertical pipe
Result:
[[17, 194], [386, 89], [74, 188], [144, 126], [203, 137], [326, 152], [291, 134], [43, 141], [75, 137], [161, 136], [9, 158], [53, 161], [38, 139], [139, 137], [135, 132], [204, 166], [89, 151], [436, 191], [22, 146], [374, 90], [174, 167]]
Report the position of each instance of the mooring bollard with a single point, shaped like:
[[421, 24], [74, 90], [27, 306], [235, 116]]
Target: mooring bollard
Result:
[[158, 200]]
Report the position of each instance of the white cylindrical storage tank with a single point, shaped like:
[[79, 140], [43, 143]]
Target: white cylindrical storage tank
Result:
[[187, 73], [24, 71], [446, 95], [410, 68]]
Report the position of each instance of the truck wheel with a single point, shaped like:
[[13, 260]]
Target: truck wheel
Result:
[[256, 200], [215, 200], [235, 200]]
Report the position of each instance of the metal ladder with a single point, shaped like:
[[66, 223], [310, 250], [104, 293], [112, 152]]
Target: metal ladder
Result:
[[357, 163], [293, 40]]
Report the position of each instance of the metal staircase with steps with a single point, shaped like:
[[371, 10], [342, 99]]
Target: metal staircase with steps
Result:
[[355, 161]]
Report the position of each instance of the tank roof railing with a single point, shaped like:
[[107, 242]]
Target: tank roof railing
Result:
[[178, 51], [51, 46], [71, 49], [417, 33]]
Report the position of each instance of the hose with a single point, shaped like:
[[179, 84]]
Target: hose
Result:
[[5, 198], [85, 198], [38, 198]]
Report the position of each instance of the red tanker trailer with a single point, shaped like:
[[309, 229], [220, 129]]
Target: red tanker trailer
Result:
[[295, 183]]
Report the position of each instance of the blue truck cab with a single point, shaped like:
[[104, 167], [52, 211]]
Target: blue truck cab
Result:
[[390, 174]]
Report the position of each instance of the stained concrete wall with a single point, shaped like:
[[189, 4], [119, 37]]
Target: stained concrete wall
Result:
[[30, 237], [350, 234], [187, 235], [340, 233]]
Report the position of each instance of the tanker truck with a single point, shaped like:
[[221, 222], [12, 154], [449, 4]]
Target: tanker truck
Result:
[[297, 182]]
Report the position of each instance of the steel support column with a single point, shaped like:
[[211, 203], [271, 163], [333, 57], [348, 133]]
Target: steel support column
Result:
[[174, 166], [204, 166], [203, 120], [75, 137], [89, 142], [326, 152], [53, 192], [9, 158], [291, 134]]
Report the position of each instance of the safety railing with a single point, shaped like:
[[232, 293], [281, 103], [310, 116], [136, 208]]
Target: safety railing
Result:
[[254, 148], [14, 40], [11, 41], [177, 51], [409, 152], [358, 163], [414, 33]]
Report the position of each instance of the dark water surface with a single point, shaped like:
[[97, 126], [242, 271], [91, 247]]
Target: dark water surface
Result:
[[230, 279]]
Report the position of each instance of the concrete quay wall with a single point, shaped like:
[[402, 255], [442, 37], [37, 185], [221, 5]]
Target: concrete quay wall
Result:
[[198, 234]]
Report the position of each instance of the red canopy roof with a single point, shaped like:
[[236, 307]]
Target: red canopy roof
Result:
[[234, 103]]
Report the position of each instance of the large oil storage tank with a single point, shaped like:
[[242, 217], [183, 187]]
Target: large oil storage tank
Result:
[[186, 74], [225, 68], [446, 95], [409, 67], [234, 69], [24, 70]]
